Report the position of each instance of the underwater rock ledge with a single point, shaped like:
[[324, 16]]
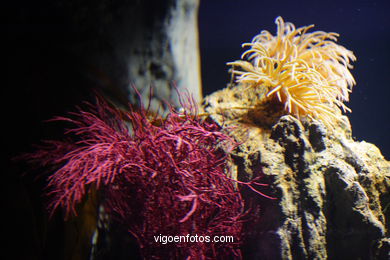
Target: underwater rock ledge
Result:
[[332, 192]]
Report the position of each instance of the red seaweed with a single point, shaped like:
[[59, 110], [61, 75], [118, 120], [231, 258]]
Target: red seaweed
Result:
[[160, 177]]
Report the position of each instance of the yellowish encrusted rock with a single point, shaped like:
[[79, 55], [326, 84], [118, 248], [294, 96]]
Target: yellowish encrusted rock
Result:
[[332, 191]]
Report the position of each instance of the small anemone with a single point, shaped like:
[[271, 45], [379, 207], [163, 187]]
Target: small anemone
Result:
[[307, 72]]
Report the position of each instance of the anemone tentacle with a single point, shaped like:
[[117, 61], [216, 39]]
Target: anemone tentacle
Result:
[[307, 72]]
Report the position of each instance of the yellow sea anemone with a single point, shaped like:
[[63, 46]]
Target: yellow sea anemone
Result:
[[307, 72]]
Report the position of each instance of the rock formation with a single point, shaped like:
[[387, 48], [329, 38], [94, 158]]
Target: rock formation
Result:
[[142, 44], [332, 191]]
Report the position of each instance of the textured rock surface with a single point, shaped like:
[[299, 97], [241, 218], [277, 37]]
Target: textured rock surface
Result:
[[145, 44], [332, 192], [163, 51]]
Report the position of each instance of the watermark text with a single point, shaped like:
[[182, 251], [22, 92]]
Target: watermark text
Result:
[[193, 239]]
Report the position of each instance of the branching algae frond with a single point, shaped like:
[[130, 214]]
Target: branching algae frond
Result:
[[307, 72], [166, 176]]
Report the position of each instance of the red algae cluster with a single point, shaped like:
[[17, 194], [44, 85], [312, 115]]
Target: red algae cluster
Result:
[[162, 176]]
